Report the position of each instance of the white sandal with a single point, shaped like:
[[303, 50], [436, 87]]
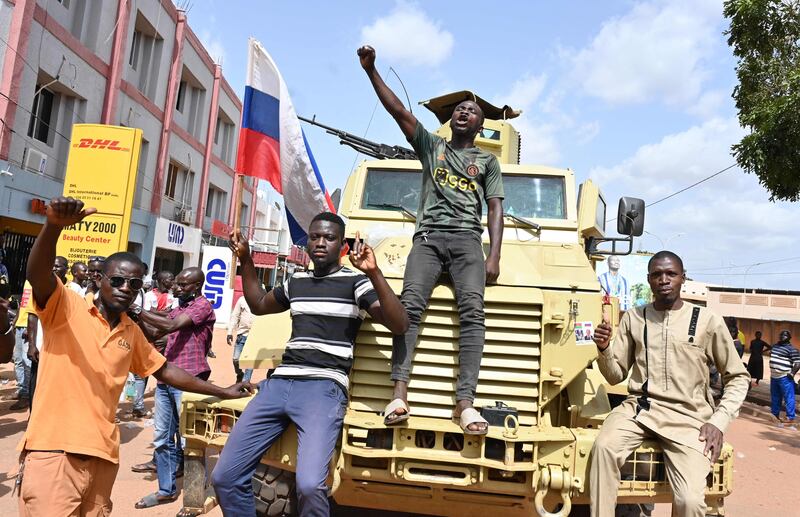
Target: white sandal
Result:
[[470, 416], [391, 411]]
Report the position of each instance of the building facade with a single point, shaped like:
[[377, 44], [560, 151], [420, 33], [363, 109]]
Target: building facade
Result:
[[126, 63]]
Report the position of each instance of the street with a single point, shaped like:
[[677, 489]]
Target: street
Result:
[[766, 456]]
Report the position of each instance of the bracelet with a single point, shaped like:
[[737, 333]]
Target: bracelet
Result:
[[10, 328]]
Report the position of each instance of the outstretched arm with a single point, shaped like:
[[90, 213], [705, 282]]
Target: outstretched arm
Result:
[[388, 310], [61, 212], [183, 380], [259, 300], [405, 119]]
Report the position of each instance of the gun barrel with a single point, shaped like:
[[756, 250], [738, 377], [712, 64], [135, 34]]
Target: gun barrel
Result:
[[362, 145]]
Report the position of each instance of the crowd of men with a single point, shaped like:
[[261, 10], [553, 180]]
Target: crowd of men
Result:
[[89, 332]]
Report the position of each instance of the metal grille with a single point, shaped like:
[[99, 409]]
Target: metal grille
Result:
[[16, 251], [509, 367]]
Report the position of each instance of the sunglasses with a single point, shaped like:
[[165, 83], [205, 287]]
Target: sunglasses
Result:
[[118, 281]]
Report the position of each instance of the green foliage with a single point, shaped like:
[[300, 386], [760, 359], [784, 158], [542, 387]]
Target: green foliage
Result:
[[765, 36]]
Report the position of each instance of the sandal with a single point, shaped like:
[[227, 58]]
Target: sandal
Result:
[[390, 414], [186, 512], [471, 416], [144, 467], [154, 499]]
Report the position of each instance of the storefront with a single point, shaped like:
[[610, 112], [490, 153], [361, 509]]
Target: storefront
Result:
[[175, 246]]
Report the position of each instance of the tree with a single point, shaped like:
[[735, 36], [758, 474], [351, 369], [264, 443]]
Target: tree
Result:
[[765, 37]]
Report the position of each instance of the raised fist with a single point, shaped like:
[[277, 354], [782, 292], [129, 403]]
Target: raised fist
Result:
[[366, 55], [66, 211]]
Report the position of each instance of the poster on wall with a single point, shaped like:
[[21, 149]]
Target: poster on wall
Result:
[[101, 172], [217, 268], [625, 278]]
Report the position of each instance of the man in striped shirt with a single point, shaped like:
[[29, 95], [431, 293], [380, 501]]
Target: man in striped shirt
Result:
[[784, 362], [309, 388]]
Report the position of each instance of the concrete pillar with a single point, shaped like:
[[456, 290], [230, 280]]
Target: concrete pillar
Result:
[[117, 61], [212, 123], [169, 108], [13, 67]]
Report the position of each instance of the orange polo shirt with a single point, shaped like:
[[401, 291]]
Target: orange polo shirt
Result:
[[83, 367]]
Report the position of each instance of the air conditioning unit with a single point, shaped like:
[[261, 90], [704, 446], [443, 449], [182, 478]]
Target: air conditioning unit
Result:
[[186, 216], [34, 160]]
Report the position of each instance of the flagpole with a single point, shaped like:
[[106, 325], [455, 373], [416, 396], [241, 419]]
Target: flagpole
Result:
[[237, 221]]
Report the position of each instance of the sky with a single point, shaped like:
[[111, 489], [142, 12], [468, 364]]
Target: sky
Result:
[[633, 95]]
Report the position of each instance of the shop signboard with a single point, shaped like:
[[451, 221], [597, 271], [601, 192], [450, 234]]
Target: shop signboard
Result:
[[101, 172], [217, 268]]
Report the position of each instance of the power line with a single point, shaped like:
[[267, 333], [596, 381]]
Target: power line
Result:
[[752, 274], [747, 265], [647, 205]]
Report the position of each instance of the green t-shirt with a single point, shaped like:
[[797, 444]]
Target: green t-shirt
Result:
[[454, 183]]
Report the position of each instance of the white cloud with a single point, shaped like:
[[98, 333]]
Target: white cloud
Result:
[[658, 50], [408, 35], [726, 220], [711, 103], [213, 46], [676, 161], [539, 143]]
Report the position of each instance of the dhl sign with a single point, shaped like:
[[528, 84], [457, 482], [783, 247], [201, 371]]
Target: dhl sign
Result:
[[102, 180], [99, 143]]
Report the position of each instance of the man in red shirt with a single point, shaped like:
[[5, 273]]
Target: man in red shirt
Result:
[[190, 328]]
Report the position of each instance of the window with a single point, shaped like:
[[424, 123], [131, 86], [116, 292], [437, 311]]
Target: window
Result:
[[133, 60], [172, 180], [210, 201], [526, 196], [181, 100], [196, 104], [41, 114], [216, 131], [215, 203]]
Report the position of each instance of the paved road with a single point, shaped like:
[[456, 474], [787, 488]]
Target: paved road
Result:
[[767, 462]]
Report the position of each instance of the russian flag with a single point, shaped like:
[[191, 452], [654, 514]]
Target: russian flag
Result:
[[272, 145]]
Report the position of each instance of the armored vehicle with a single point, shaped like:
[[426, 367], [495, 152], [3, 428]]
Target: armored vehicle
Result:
[[535, 461]]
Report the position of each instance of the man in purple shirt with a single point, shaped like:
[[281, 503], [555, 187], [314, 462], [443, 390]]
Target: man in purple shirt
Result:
[[190, 328]]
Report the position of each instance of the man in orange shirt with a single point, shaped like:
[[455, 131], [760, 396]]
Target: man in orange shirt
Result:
[[70, 451]]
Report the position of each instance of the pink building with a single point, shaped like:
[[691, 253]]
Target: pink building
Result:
[[118, 62]]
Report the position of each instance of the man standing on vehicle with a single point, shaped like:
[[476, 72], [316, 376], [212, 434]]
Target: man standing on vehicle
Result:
[[70, 451], [309, 387], [666, 346], [457, 178]]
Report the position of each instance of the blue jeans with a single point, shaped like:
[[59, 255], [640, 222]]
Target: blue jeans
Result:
[[317, 408], [168, 453], [780, 390], [140, 385], [22, 365], [237, 351]]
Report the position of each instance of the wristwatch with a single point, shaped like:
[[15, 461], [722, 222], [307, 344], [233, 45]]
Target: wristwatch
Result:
[[134, 312]]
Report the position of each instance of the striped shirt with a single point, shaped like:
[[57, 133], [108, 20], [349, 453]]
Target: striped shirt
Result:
[[326, 314], [782, 359]]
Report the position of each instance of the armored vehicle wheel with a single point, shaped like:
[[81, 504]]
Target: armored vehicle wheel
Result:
[[274, 491]]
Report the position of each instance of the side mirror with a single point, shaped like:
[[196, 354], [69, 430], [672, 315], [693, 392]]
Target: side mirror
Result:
[[336, 198], [630, 216]]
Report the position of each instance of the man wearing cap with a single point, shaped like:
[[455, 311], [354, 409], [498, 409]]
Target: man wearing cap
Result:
[[666, 347]]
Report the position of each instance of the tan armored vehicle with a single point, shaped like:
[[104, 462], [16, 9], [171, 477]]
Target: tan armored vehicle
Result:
[[535, 462]]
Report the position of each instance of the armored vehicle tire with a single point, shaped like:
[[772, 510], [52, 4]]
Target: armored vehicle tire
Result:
[[274, 492]]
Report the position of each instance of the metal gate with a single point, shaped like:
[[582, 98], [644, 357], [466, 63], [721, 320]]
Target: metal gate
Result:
[[17, 248]]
